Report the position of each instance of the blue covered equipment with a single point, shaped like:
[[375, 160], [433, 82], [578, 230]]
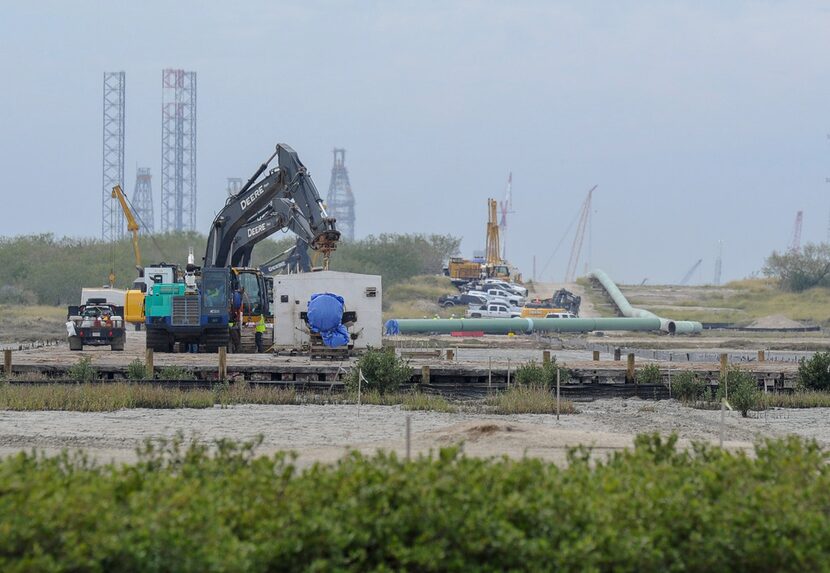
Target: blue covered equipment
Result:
[[325, 316]]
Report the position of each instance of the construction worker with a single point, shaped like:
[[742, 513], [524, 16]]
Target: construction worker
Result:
[[258, 334]]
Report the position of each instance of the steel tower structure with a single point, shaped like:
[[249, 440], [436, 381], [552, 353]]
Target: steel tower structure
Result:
[[143, 200], [795, 243], [112, 219], [340, 200], [178, 151]]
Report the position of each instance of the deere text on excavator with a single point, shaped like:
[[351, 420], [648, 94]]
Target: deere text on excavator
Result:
[[200, 311]]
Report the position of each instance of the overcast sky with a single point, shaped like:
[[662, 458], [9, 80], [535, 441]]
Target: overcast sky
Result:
[[699, 121]]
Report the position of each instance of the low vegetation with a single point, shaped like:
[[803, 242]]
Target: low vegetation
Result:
[[740, 388], [541, 375], [688, 387], [383, 372], [814, 372], [92, 397], [220, 507], [522, 399], [649, 374]]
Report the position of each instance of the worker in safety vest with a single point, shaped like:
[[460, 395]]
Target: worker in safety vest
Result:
[[258, 334]]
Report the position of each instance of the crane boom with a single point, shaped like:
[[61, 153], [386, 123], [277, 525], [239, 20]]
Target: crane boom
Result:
[[132, 225], [493, 255], [690, 272], [576, 248]]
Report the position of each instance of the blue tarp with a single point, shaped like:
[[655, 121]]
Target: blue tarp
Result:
[[325, 315], [392, 327]]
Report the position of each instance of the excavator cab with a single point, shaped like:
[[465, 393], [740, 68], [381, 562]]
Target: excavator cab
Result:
[[256, 298]]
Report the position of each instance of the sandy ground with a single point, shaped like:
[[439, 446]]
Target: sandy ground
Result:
[[325, 433]]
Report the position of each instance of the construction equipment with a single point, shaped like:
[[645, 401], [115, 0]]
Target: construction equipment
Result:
[[206, 314], [576, 248], [134, 303], [95, 323], [688, 276], [795, 244]]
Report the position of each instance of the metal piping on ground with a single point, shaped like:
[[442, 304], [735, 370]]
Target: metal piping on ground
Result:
[[518, 325], [625, 308]]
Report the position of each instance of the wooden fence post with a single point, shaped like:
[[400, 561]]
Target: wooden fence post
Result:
[[223, 363], [148, 363]]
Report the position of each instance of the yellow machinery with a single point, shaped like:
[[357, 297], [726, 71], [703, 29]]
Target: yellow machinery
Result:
[[494, 265], [134, 301], [459, 268]]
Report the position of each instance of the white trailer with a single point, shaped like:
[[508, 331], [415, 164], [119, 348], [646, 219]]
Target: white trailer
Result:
[[109, 295], [361, 294]]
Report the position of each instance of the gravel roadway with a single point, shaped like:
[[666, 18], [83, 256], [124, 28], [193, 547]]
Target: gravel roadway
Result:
[[324, 433]]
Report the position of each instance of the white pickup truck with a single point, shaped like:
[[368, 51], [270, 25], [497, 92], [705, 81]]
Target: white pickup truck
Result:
[[493, 310]]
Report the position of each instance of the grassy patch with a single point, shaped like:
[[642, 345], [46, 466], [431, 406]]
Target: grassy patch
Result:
[[804, 399], [738, 301], [526, 400], [100, 397], [19, 323], [430, 402]]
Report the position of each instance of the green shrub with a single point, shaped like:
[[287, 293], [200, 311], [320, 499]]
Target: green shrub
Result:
[[740, 389], [542, 375], [136, 370], [383, 371], [649, 374], [174, 372], [195, 507], [82, 370], [687, 387], [814, 373]]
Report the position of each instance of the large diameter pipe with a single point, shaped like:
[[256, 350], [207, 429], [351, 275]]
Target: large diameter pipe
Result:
[[520, 325], [684, 327], [625, 308]]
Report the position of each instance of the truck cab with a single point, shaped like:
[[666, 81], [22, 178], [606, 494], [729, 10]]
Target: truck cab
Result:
[[493, 310]]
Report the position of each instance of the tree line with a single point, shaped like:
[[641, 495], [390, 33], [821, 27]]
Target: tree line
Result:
[[44, 269]]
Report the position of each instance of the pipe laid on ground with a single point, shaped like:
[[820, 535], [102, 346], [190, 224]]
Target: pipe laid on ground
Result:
[[625, 308], [518, 325]]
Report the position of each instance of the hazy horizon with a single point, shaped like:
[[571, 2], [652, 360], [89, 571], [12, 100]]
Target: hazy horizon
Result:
[[698, 121]]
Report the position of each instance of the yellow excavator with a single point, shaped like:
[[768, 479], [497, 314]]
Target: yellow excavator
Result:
[[134, 300]]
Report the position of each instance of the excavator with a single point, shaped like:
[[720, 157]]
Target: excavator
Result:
[[285, 198]]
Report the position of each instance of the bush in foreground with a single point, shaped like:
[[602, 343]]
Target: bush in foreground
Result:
[[187, 509]]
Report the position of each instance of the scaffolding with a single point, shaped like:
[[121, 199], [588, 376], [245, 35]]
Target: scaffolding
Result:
[[112, 219], [178, 151], [340, 200], [143, 200]]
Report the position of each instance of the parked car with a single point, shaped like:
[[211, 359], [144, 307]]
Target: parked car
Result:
[[492, 310], [513, 287], [514, 299], [560, 315], [461, 300]]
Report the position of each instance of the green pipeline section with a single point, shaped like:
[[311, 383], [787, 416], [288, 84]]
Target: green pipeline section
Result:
[[518, 325], [625, 308]]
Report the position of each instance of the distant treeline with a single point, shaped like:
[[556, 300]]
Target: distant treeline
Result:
[[43, 269]]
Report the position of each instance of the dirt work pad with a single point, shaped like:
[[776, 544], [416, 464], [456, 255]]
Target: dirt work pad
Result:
[[324, 433]]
